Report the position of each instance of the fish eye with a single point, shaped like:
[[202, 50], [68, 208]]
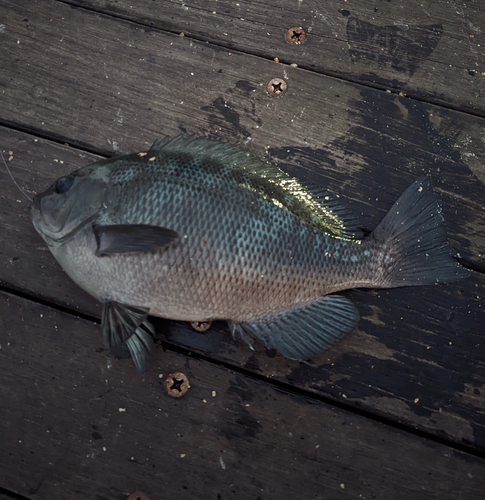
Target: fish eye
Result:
[[64, 184]]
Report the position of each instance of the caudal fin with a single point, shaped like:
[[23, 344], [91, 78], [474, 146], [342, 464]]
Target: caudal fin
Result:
[[414, 239]]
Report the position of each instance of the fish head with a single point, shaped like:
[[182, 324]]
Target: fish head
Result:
[[70, 203]]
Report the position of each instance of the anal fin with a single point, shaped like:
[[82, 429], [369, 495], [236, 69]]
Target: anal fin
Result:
[[305, 332]]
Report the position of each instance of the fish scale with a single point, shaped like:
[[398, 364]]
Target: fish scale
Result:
[[196, 230], [227, 261]]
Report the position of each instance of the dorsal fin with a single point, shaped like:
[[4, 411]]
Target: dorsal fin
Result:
[[345, 219], [233, 157], [317, 208]]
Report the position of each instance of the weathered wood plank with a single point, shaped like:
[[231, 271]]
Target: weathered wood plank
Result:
[[75, 428], [416, 357], [431, 50], [363, 143], [138, 84], [4, 496], [22, 247]]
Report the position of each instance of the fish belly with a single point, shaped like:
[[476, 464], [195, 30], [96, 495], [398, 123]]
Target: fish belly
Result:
[[199, 279]]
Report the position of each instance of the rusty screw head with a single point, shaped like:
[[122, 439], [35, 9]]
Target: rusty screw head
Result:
[[201, 326], [276, 87], [138, 495], [295, 36], [177, 384]]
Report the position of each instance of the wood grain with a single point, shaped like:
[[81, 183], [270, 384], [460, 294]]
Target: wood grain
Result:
[[432, 51], [78, 428], [416, 356], [107, 85], [131, 85]]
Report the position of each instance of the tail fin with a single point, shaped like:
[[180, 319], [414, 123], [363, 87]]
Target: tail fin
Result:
[[413, 234]]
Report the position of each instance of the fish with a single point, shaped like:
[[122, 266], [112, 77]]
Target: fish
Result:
[[198, 230]]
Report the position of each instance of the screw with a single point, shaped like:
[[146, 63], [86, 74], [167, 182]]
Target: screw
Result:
[[201, 326], [295, 36], [276, 87], [138, 495], [177, 384]]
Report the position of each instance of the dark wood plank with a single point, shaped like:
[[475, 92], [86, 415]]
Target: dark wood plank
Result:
[[365, 144], [74, 427], [416, 356], [117, 96], [19, 240], [431, 51]]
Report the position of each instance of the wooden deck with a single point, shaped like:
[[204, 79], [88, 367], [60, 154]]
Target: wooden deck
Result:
[[378, 94]]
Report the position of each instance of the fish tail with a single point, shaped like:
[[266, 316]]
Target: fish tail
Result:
[[412, 241]]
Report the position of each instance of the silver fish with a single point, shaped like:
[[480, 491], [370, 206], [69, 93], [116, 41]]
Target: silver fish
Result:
[[195, 230]]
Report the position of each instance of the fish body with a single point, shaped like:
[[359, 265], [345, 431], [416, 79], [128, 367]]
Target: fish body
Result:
[[195, 230]]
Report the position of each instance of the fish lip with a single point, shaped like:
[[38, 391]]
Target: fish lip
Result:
[[36, 202]]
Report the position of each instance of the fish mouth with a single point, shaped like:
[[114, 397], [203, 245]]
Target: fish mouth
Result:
[[36, 202]]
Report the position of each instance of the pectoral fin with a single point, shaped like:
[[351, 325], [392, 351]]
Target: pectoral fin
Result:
[[122, 324], [131, 238], [308, 331]]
